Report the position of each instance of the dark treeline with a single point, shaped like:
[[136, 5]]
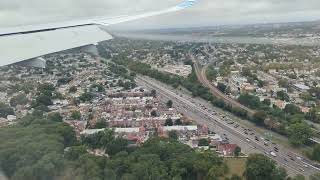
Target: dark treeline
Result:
[[45, 148], [41, 148]]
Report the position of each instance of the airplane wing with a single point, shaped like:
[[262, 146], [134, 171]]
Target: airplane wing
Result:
[[27, 42]]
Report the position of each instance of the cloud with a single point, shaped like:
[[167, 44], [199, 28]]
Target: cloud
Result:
[[206, 12]]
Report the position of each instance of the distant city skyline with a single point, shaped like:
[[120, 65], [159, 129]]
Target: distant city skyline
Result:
[[204, 13]]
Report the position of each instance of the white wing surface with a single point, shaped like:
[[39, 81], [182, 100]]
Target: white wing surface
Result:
[[26, 42]]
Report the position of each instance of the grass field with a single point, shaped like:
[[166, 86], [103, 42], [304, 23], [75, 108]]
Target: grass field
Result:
[[236, 166]]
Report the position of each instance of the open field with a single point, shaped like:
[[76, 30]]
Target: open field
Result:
[[236, 166]]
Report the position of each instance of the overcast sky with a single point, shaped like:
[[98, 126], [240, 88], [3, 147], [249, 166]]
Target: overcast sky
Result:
[[204, 13]]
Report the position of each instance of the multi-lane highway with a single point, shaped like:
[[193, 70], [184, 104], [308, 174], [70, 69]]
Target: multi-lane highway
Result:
[[247, 139]]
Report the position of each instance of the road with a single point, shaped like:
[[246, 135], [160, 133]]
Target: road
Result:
[[221, 124], [201, 74]]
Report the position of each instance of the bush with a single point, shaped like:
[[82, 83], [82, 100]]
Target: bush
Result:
[[5, 110], [203, 142], [76, 115]]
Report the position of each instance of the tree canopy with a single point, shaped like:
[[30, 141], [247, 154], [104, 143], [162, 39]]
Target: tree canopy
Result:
[[40, 148], [19, 99], [260, 167], [250, 101], [299, 133], [34, 150], [5, 110]]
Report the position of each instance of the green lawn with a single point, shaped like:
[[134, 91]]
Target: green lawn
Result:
[[236, 166]]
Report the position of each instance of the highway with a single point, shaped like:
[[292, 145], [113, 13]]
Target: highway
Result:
[[247, 139]]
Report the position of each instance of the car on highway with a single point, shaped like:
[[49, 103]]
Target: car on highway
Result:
[[248, 140], [256, 138], [273, 154], [266, 143]]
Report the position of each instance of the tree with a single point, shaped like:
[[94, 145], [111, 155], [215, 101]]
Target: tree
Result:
[[97, 88], [178, 122], [315, 91], [283, 83], [116, 146], [246, 72], [260, 167], [292, 109], [128, 85], [283, 96], [280, 174], [102, 123], [315, 155], [169, 103], [239, 112], [211, 73], [56, 117], [73, 89], [250, 101], [267, 102], [76, 115], [98, 140], [74, 152], [299, 133], [314, 115], [222, 87], [154, 113], [261, 83], [5, 110], [306, 96], [153, 93], [64, 80], [44, 100], [20, 99], [34, 151], [203, 142], [237, 151], [86, 96], [173, 135], [168, 122], [46, 89], [259, 117]]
